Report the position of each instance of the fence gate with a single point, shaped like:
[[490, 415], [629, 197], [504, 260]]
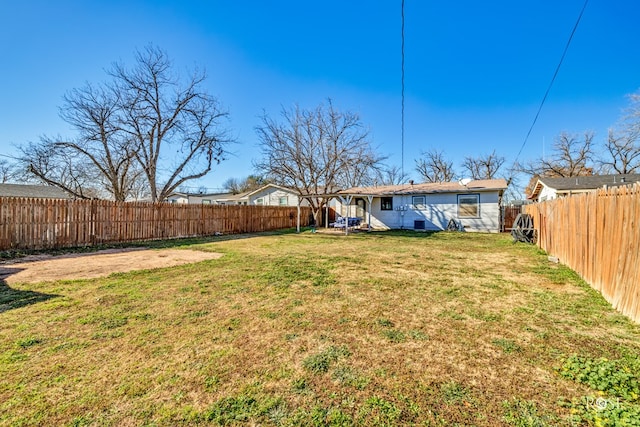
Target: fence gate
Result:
[[508, 216]]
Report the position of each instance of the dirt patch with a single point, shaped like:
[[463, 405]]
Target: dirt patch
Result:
[[39, 268]]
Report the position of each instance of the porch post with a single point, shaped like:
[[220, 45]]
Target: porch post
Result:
[[346, 201], [326, 214], [298, 224], [370, 200]]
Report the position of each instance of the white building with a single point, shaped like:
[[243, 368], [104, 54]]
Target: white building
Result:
[[553, 188], [267, 195], [428, 206]]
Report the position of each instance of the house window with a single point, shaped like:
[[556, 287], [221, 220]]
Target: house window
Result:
[[386, 203], [419, 202], [468, 206], [419, 224], [260, 201], [283, 201], [206, 202]]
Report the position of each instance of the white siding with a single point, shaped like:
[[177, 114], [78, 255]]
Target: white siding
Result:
[[438, 210], [177, 199], [271, 197], [547, 193]]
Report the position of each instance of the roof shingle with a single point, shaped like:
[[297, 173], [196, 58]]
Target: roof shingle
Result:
[[33, 191], [429, 187], [590, 182]]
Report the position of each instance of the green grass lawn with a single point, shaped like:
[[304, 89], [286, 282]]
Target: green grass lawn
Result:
[[315, 329]]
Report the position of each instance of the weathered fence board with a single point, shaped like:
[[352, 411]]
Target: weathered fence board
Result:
[[509, 215], [45, 223], [597, 235]]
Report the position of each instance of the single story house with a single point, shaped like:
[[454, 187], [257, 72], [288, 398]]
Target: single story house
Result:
[[197, 198], [267, 195], [429, 206], [33, 191], [553, 188]]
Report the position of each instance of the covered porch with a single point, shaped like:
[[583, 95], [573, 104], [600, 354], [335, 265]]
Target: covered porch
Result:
[[352, 206]]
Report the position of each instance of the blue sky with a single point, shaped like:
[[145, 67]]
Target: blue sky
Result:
[[475, 71]]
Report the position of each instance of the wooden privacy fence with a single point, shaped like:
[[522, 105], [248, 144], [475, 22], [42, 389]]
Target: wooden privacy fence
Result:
[[509, 215], [597, 235], [44, 223]]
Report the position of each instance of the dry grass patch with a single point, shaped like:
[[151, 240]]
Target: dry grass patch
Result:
[[312, 329]]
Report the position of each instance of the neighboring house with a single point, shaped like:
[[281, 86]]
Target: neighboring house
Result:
[[33, 191], [267, 195], [200, 198], [197, 198], [178, 198], [428, 206], [553, 188]]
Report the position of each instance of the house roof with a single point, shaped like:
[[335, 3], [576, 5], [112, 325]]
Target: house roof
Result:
[[429, 188], [186, 195], [33, 191], [279, 187], [247, 194], [583, 183], [235, 197]]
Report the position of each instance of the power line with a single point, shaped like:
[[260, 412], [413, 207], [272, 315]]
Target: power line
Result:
[[402, 96], [555, 74]]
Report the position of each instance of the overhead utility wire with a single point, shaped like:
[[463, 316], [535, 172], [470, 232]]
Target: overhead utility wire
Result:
[[402, 96], [555, 74]]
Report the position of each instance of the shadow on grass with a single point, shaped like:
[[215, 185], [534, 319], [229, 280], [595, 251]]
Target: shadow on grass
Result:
[[142, 244], [189, 241], [14, 298], [382, 233]]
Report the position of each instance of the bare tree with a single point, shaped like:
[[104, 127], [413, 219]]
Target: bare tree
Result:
[[8, 171], [483, 167], [572, 156], [391, 175], [316, 152], [99, 158], [623, 142], [232, 185], [144, 124], [65, 169], [162, 115], [514, 190], [250, 183], [623, 152], [434, 167]]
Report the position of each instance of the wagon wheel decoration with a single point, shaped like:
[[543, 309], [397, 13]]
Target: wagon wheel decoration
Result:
[[523, 231]]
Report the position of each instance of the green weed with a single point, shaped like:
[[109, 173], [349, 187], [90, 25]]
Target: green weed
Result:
[[523, 413], [417, 335], [28, 342], [508, 346], [379, 412], [244, 409], [616, 382], [618, 378], [321, 362], [386, 323], [394, 335], [349, 377], [453, 393]]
